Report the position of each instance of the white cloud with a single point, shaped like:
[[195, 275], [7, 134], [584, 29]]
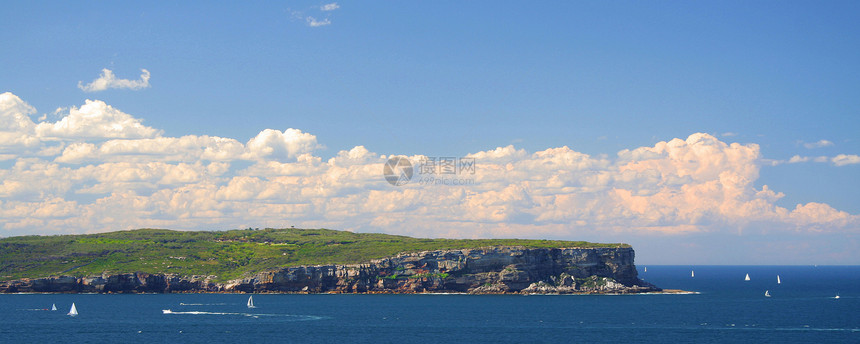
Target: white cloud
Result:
[[280, 146], [17, 130], [819, 144], [95, 120], [100, 169], [186, 148], [313, 22], [839, 160], [846, 159], [797, 158], [108, 80], [329, 7]]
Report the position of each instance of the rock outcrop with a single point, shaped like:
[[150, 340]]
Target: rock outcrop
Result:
[[493, 270]]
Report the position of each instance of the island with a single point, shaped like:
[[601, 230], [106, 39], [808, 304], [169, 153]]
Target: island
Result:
[[294, 260]]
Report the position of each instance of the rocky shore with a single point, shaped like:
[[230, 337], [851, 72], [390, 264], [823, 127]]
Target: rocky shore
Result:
[[492, 270]]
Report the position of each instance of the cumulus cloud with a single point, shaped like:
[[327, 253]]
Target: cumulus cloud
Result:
[[329, 7], [98, 168], [108, 80], [95, 119], [846, 159], [280, 146], [17, 130]]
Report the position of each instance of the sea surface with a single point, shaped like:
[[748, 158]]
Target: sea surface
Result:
[[802, 309]]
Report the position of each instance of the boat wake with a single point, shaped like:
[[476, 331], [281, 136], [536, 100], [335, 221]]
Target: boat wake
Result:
[[202, 304], [294, 317]]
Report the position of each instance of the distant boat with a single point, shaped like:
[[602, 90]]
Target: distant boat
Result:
[[692, 273], [747, 278], [251, 302], [836, 297], [73, 311], [777, 280], [54, 307], [646, 269], [766, 293], [166, 311]]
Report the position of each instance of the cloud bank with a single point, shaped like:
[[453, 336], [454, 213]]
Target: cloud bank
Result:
[[100, 169], [108, 80]]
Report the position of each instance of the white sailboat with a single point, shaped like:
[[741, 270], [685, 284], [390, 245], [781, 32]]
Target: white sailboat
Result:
[[766, 293], [747, 278], [777, 280], [251, 302], [646, 269], [53, 306], [692, 273], [73, 311]]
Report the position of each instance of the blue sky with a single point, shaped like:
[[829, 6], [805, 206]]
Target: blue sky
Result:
[[447, 79]]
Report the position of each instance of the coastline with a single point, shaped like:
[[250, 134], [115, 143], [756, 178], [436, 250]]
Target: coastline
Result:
[[491, 270]]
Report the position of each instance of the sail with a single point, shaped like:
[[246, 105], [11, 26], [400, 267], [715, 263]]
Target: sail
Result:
[[767, 293], [777, 280], [692, 273], [646, 269], [747, 278], [53, 307], [251, 302], [73, 311]]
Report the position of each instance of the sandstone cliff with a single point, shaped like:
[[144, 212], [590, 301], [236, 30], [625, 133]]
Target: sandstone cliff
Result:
[[491, 270]]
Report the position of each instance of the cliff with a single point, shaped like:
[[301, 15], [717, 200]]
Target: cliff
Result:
[[493, 270]]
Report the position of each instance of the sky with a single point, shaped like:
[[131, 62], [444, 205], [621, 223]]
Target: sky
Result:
[[720, 132]]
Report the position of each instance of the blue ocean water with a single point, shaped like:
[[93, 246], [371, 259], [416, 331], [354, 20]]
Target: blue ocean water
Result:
[[802, 309]]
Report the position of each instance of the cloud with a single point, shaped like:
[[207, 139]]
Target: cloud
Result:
[[280, 146], [845, 159], [313, 22], [819, 144], [186, 148], [329, 7], [797, 158], [839, 160], [17, 130], [95, 119], [108, 80], [98, 169]]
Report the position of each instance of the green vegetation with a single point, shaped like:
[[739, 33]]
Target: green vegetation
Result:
[[429, 275], [226, 254], [593, 282]]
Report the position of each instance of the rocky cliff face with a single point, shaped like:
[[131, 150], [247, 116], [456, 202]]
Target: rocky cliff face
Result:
[[479, 271]]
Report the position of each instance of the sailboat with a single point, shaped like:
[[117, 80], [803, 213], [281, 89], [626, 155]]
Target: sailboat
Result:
[[646, 269], [251, 302], [747, 278], [692, 273], [53, 306], [777, 280], [766, 293], [73, 311]]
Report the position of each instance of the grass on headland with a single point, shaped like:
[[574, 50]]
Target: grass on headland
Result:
[[226, 254]]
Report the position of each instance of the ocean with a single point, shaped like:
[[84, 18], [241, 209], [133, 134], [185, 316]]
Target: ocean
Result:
[[725, 308]]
